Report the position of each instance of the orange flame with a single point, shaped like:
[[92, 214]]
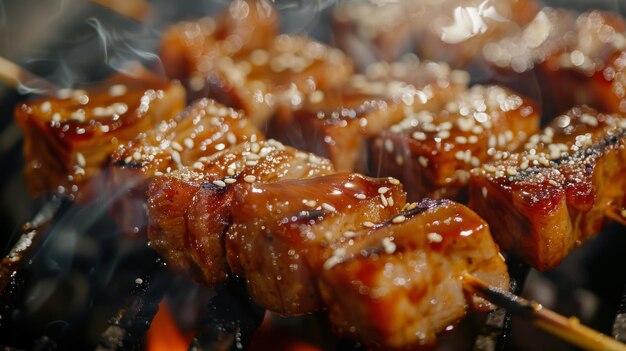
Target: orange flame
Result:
[[164, 334]]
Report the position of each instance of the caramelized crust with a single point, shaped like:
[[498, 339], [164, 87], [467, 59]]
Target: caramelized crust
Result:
[[543, 202], [432, 153], [189, 209], [283, 233], [436, 30], [572, 55], [203, 129], [283, 72], [337, 122], [400, 283], [246, 25], [242, 62], [69, 139]]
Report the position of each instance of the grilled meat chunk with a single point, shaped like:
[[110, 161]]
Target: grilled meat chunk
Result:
[[189, 209], [569, 56], [69, 139], [543, 202], [251, 68], [203, 129], [336, 123], [246, 25], [400, 283], [432, 153], [435, 30], [284, 232]]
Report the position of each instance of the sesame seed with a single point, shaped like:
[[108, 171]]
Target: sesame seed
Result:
[[310, 203], [45, 107], [349, 234], [331, 262], [231, 138], [104, 128], [328, 207], [383, 199], [80, 158], [188, 143], [249, 178], [251, 163], [394, 181], [137, 155], [398, 219], [138, 281], [389, 246], [390, 201], [198, 165], [254, 147], [553, 182], [117, 90], [176, 146], [367, 224], [434, 237], [230, 180], [56, 117], [220, 147], [175, 156], [361, 196], [423, 161], [484, 191], [128, 159], [316, 96], [418, 136], [383, 189], [511, 171], [388, 145], [219, 183]]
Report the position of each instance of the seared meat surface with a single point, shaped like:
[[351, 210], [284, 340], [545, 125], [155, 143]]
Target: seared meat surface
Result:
[[241, 61], [189, 209], [400, 283], [69, 139], [546, 200], [204, 128], [336, 123], [283, 232], [432, 152]]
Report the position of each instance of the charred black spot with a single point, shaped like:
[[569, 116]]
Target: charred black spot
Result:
[[424, 205], [131, 164], [212, 187]]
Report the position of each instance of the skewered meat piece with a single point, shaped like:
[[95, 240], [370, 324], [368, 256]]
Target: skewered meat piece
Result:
[[284, 232], [69, 139], [203, 129], [543, 202], [564, 50], [432, 153], [369, 32], [401, 283], [254, 76], [243, 27], [189, 209], [336, 123]]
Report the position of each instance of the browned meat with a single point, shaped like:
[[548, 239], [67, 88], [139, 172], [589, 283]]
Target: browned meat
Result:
[[401, 284], [373, 31], [243, 27], [545, 201], [189, 209], [251, 68], [432, 153], [284, 232], [564, 50], [69, 139], [203, 129], [336, 123]]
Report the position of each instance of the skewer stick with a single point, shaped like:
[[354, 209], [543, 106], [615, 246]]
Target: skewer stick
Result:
[[568, 329], [617, 214], [14, 76]]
